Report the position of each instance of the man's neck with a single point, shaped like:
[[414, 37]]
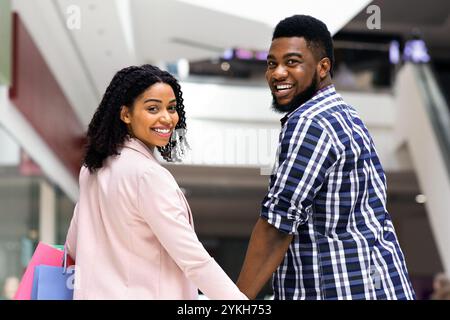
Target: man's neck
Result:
[[325, 82]]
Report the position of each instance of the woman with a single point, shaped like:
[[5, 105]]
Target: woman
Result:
[[132, 233]]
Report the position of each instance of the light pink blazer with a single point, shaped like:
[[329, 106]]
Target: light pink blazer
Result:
[[132, 235]]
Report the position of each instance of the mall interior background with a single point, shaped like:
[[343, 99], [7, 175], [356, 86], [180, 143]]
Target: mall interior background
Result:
[[57, 57]]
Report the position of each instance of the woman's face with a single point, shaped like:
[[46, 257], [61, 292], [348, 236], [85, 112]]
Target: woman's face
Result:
[[153, 116]]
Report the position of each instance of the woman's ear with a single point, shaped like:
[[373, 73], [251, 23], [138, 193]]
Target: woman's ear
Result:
[[125, 114]]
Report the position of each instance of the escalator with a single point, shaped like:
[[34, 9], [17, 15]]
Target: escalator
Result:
[[424, 123], [442, 71]]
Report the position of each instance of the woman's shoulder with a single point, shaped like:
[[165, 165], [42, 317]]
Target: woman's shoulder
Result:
[[135, 159], [140, 165], [159, 174], [130, 166]]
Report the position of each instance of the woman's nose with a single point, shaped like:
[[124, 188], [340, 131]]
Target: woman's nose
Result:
[[165, 118]]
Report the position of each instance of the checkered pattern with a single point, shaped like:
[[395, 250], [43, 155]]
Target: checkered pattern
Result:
[[328, 189]]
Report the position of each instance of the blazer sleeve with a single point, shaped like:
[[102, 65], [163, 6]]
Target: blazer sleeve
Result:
[[72, 233], [71, 239], [164, 211]]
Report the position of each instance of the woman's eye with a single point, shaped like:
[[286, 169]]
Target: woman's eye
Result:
[[152, 109], [172, 109]]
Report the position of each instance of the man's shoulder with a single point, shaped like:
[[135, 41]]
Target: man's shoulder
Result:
[[322, 111]]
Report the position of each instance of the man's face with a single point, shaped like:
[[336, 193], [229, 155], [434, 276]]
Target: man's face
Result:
[[291, 73]]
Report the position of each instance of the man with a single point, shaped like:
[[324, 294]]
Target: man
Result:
[[324, 228]]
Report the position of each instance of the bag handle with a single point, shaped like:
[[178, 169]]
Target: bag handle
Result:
[[64, 262]]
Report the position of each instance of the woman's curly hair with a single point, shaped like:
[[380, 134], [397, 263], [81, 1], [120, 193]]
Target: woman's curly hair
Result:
[[107, 132]]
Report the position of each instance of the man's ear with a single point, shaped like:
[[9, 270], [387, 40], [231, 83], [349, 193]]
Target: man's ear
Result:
[[323, 68], [125, 114]]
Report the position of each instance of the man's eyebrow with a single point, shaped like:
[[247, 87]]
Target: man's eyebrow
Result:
[[293, 54], [287, 55]]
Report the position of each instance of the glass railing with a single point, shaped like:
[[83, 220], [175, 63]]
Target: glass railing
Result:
[[437, 108], [441, 70]]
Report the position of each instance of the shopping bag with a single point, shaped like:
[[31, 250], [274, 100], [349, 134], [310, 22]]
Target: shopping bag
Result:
[[52, 283], [43, 255]]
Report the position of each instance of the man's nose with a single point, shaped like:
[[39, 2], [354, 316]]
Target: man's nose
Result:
[[280, 73]]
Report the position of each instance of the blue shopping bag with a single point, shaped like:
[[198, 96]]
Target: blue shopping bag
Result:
[[53, 282]]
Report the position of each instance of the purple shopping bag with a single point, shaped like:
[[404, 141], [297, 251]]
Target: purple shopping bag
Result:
[[43, 255], [52, 283]]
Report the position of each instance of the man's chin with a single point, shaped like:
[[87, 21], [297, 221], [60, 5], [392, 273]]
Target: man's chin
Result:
[[281, 108], [298, 100], [295, 102], [286, 107]]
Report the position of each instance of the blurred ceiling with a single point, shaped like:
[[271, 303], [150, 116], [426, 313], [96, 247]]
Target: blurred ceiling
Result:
[[430, 19], [117, 33]]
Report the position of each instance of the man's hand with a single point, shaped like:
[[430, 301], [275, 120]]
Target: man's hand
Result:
[[265, 252]]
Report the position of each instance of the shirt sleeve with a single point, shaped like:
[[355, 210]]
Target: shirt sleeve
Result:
[[305, 155], [167, 215]]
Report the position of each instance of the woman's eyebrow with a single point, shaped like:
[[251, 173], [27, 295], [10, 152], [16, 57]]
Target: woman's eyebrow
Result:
[[159, 101], [153, 100]]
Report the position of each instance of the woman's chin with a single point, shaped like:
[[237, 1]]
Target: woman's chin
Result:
[[163, 144]]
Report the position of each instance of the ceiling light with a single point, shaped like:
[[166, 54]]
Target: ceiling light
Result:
[[421, 198], [183, 68], [225, 66]]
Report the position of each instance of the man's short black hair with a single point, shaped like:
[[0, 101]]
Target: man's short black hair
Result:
[[314, 31]]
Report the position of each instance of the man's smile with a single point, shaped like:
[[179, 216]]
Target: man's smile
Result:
[[282, 90]]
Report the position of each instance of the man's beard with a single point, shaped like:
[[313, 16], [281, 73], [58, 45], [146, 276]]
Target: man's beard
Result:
[[299, 99]]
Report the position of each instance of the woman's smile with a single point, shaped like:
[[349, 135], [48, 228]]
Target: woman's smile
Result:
[[164, 132]]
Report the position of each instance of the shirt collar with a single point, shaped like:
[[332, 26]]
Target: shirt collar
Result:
[[320, 93]]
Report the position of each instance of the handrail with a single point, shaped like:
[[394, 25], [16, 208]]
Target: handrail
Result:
[[437, 108]]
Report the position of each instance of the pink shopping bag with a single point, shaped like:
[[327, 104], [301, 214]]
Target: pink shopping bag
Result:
[[43, 255]]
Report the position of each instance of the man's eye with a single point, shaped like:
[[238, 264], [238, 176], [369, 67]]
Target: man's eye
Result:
[[270, 64], [291, 62]]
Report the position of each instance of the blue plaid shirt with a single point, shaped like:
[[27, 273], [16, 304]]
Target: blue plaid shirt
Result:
[[328, 190]]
